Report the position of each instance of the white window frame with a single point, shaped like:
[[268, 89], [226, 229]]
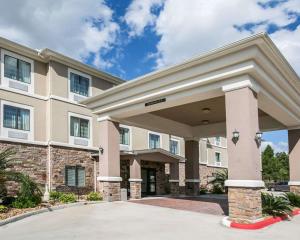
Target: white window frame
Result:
[[154, 133], [72, 138], [4, 130], [175, 140], [5, 81], [71, 94], [218, 164], [219, 144], [125, 147]]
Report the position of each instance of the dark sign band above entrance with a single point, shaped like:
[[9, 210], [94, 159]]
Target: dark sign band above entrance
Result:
[[147, 104]]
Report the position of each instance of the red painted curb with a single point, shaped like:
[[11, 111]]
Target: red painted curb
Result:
[[264, 223]]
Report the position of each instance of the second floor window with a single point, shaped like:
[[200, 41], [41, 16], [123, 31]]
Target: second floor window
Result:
[[79, 84], [124, 136], [218, 141], [154, 141], [218, 158], [174, 148], [16, 118], [80, 127], [17, 69]]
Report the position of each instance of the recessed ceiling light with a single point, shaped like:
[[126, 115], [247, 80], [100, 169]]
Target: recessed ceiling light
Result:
[[206, 110], [205, 122]]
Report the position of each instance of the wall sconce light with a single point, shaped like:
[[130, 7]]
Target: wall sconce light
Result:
[[258, 138], [235, 136], [101, 150]]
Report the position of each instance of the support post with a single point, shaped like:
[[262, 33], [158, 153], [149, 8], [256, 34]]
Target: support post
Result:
[[294, 160], [192, 181], [135, 178], [109, 161], [244, 165]]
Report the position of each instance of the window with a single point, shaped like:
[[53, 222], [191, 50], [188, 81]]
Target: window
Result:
[[16, 118], [154, 140], [75, 176], [174, 146], [79, 84], [124, 136], [79, 127], [218, 141], [17, 69], [217, 159]]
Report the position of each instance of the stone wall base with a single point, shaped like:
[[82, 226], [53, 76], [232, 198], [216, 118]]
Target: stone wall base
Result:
[[192, 188], [295, 189], [135, 190], [174, 188], [244, 204], [111, 191]]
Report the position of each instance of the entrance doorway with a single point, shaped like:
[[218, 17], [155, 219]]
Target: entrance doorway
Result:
[[149, 181]]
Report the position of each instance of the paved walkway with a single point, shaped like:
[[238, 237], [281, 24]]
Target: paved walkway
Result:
[[125, 220], [204, 204]]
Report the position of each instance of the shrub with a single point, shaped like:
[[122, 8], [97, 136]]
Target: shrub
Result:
[[203, 190], [7, 201], [94, 196], [67, 198], [55, 196], [3, 209], [293, 198], [217, 189], [219, 180], [26, 202], [275, 206]]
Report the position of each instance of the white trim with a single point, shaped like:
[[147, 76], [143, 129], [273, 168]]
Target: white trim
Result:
[[192, 180], [105, 118], [226, 222], [5, 81], [7, 139], [71, 94], [54, 143], [154, 133], [173, 180], [245, 183], [125, 147], [4, 130], [242, 84], [40, 97], [294, 183], [66, 100], [178, 146], [135, 180], [72, 139], [214, 166], [109, 179]]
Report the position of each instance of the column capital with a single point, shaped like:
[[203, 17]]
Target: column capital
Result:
[[109, 179], [135, 180], [241, 84], [245, 183]]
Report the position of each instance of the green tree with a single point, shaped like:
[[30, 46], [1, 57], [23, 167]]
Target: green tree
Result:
[[275, 166]]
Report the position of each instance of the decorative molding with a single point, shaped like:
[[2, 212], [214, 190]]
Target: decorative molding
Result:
[[15, 140], [192, 180], [135, 180], [12, 90], [245, 183], [242, 84], [72, 146], [294, 183], [109, 179], [173, 180]]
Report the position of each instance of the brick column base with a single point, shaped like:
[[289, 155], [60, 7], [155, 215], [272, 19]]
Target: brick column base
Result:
[[111, 191], [244, 204], [174, 188], [135, 190], [295, 189], [192, 188]]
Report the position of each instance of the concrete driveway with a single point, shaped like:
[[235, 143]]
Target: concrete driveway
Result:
[[125, 220]]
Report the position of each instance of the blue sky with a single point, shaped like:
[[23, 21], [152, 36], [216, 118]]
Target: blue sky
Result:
[[130, 38]]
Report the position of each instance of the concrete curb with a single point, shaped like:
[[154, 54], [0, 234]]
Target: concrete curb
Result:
[[257, 225], [46, 209]]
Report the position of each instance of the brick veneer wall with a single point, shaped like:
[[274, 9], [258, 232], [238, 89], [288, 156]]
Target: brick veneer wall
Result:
[[62, 156], [31, 160], [206, 173]]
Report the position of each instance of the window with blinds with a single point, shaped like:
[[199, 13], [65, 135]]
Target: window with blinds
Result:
[[75, 176]]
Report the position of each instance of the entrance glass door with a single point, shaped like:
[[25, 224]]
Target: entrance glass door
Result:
[[149, 181]]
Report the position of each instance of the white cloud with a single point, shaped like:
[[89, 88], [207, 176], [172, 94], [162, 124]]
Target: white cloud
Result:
[[188, 28], [277, 147], [140, 14], [65, 26]]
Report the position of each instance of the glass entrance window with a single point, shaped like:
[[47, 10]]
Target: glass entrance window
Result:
[[154, 141]]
